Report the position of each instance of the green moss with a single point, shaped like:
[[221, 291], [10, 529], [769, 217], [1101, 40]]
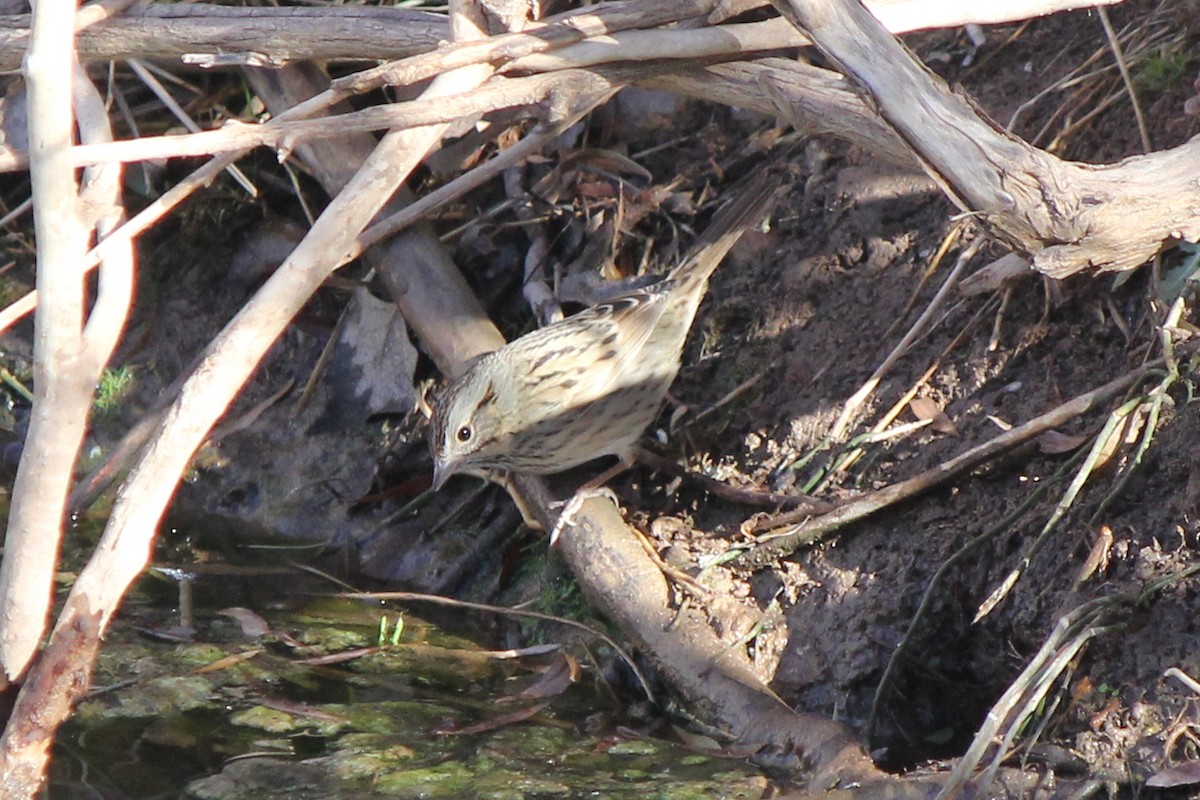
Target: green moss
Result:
[[450, 779], [1162, 70]]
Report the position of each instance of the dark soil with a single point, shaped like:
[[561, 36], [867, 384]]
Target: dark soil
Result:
[[816, 305]]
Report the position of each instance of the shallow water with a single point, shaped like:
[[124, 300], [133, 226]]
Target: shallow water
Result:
[[226, 711]]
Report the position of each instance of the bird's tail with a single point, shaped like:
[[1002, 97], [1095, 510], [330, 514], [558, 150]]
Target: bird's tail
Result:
[[752, 201]]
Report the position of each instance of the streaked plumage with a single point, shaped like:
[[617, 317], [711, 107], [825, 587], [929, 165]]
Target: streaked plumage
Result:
[[589, 385]]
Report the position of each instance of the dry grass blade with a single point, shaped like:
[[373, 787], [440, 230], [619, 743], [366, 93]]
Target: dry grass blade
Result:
[[951, 238], [1072, 631], [854, 452], [1152, 401], [1061, 508], [1097, 90], [1115, 44], [1009, 715], [858, 398], [787, 540]]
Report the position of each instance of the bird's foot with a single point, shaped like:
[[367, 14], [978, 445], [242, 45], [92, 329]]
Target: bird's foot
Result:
[[571, 507]]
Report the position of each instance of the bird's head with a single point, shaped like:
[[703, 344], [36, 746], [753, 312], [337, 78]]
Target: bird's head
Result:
[[466, 431]]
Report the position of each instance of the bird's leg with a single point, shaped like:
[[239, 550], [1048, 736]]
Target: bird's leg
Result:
[[616, 469], [593, 488], [527, 515]]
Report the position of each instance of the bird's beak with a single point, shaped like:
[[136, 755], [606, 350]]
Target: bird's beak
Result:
[[442, 470]]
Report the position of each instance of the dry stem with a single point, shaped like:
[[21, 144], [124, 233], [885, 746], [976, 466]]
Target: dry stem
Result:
[[788, 540]]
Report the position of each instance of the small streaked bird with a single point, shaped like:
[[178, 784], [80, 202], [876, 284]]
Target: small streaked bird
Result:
[[589, 385]]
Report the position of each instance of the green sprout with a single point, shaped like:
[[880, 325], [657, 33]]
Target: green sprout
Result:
[[397, 631], [114, 385]]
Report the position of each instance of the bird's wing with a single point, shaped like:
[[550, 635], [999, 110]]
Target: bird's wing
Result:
[[620, 327], [603, 342]]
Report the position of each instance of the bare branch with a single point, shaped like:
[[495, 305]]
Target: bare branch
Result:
[[62, 389], [236, 351], [167, 31], [265, 36]]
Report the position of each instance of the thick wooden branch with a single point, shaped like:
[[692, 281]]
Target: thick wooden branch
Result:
[[266, 36], [425, 282], [277, 35], [714, 679], [810, 99], [1067, 216]]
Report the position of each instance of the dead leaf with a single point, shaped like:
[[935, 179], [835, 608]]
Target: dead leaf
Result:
[[1053, 443], [381, 359], [596, 190], [1183, 775], [253, 626], [927, 410], [1002, 424], [1122, 438], [640, 204], [604, 161], [1097, 560], [555, 679]]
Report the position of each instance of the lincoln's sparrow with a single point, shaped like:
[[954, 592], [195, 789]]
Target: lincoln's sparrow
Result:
[[586, 386]]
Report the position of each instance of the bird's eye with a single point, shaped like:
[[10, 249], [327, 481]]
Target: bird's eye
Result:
[[465, 433]]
